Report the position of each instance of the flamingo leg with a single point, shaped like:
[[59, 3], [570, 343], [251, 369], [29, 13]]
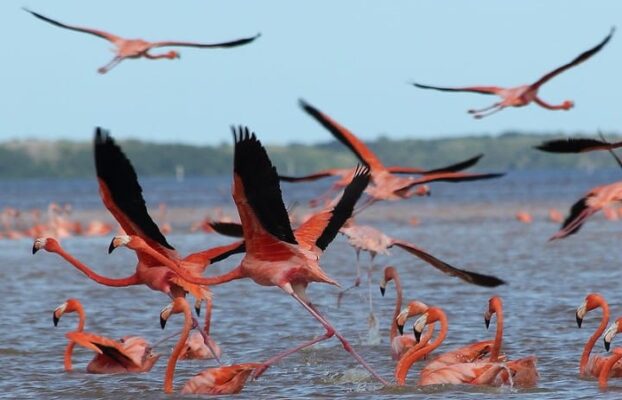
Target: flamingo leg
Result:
[[357, 281], [372, 321], [473, 111], [113, 63], [482, 115]]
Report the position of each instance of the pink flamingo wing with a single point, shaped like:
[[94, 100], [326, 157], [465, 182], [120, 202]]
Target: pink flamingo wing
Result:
[[104, 35], [472, 89], [231, 43], [312, 177]]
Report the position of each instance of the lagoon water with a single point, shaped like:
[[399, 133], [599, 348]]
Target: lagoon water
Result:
[[469, 225]]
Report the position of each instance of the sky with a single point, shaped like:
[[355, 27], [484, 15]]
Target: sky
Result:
[[352, 59]]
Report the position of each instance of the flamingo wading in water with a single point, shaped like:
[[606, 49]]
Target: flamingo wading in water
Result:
[[137, 48], [521, 96]]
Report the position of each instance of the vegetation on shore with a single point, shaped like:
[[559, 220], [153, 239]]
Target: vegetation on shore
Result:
[[509, 151]]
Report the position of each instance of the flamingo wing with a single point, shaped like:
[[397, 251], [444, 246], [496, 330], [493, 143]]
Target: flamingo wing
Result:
[[232, 229], [257, 195], [232, 43], [448, 177], [229, 379], [576, 145], [322, 227], [362, 152], [449, 168], [106, 346], [104, 35], [578, 60], [471, 89], [579, 213], [216, 254], [467, 276], [122, 195], [312, 177]]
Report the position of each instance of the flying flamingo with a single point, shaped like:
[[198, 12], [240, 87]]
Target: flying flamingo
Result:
[[523, 371], [474, 373], [591, 365], [196, 348], [400, 343], [129, 355], [137, 48], [223, 380], [521, 96], [385, 184]]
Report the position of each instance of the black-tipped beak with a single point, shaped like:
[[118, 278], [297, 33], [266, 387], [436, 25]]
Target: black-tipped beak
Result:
[[428, 193], [197, 309], [400, 328], [487, 322], [162, 322], [111, 247], [55, 319], [382, 289], [417, 334], [34, 249], [579, 321], [607, 344]]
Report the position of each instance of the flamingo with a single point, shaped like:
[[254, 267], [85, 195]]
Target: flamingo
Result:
[[524, 217], [132, 354], [137, 48], [522, 372], [555, 216], [591, 365], [223, 380], [608, 365], [386, 185], [523, 95], [475, 373], [275, 256], [595, 200], [196, 347]]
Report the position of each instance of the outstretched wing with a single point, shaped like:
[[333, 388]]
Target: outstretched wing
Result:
[[122, 194], [322, 227], [104, 345], [448, 177], [311, 177], [449, 168], [467, 276], [232, 43], [578, 60], [257, 195], [579, 213], [576, 145], [471, 89], [95, 32], [362, 152], [219, 253], [232, 229]]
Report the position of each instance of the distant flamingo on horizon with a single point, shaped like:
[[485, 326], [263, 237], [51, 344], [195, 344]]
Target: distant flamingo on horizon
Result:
[[132, 354], [137, 48], [521, 96]]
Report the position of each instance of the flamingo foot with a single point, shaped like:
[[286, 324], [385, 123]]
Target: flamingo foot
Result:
[[260, 370]]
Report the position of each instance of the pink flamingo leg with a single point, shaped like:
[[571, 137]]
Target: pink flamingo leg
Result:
[[357, 281], [113, 63], [473, 111], [330, 331], [482, 115]]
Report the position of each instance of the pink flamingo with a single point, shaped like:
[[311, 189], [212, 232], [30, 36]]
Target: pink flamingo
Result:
[[474, 373], [132, 354], [605, 372], [521, 96], [137, 48], [222, 380], [524, 217], [196, 346], [386, 185]]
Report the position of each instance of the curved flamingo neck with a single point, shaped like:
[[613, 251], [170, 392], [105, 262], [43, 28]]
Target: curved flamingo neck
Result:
[[606, 369], [496, 347], [585, 356], [172, 361], [69, 349], [102, 280], [417, 353], [398, 306]]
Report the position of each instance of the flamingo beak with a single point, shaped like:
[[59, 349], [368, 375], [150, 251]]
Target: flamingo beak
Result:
[[581, 311], [55, 319], [197, 307], [164, 314], [112, 246], [162, 322], [610, 333], [34, 249], [419, 325], [58, 312], [400, 328], [579, 320], [487, 317], [383, 288]]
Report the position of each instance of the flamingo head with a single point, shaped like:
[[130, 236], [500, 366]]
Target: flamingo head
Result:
[[132, 242], [423, 190], [567, 105], [389, 274], [414, 308], [611, 332], [71, 305], [177, 306], [494, 304], [592, 301], [420, 323], [46, 243], [173, 55]]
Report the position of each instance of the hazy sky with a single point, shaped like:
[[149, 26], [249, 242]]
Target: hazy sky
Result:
[[352, 59]]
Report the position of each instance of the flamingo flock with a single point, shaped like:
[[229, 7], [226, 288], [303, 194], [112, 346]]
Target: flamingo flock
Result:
[[282, 252]]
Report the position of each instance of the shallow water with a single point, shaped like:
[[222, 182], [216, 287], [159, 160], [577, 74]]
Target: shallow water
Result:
[[470, 226]]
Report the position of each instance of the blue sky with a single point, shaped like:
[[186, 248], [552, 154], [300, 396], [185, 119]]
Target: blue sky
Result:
[[352, 59]]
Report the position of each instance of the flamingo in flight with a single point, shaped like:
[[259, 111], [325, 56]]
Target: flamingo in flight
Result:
[[131, 354], [228, 379], [137, 48], [473, 373], [521, 96], [386, 185], [122, 195], [275, 255]]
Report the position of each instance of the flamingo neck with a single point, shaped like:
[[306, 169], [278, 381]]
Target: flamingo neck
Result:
[[417, 353], [181, 343], [398, 307], [131, 280], [208, 316], [69, 349], [496, 347], [585, 356], [606, 369]]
